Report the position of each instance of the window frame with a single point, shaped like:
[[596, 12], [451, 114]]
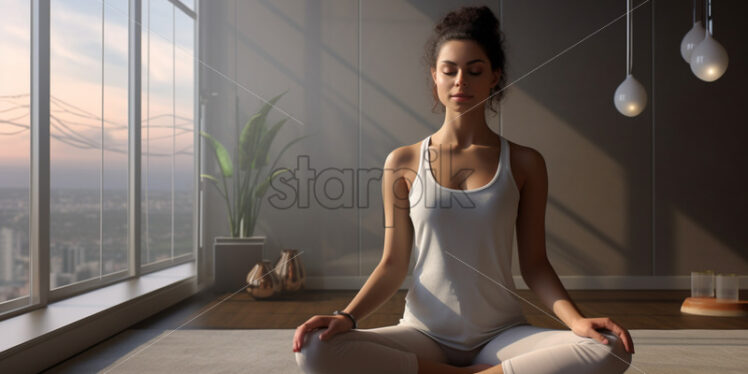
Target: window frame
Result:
[[40, 294]]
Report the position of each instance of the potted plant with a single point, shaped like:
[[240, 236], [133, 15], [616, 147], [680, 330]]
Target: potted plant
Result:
[[242, 183]]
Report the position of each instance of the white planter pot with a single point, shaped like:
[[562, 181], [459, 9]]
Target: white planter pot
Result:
[[234, 258]]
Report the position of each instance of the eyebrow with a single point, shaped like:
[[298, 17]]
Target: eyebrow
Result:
[[469, 62]]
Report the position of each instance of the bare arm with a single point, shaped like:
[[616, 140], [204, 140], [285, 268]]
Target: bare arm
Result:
[[536, 269], [387, 277], [390, 273]]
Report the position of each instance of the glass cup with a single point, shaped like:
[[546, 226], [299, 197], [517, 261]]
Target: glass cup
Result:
[[728, 287], [702, 283]]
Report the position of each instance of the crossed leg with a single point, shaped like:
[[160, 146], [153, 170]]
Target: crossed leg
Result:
[[527, 349], [522, 349], [389, 349]]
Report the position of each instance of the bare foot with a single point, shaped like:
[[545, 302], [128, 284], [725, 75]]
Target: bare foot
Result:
[[477, 368]]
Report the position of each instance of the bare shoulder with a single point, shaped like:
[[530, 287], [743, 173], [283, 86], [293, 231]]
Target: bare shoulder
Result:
[[403, 161], [526, 161]]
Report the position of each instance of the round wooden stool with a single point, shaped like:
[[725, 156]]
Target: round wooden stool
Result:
[[709, 306]]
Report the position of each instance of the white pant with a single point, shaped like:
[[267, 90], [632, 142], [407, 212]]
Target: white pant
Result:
[[522, 349]]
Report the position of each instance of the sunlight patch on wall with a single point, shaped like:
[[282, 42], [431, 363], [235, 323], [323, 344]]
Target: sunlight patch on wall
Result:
[[587, 211]]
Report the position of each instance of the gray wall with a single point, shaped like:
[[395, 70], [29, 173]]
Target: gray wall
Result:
[[633, 202]]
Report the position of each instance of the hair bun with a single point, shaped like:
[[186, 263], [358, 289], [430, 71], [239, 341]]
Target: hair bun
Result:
[[469, 18]]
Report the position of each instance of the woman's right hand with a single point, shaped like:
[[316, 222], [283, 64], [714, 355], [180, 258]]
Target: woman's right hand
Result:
[[335, 324]]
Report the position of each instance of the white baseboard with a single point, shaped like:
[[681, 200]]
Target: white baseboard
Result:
[[570, 282]]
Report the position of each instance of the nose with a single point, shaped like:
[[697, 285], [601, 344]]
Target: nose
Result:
[[460, 81]]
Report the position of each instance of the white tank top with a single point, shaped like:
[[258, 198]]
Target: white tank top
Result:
[[449, 300]]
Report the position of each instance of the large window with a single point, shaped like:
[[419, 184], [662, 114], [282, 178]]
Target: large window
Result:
[[15, 151], [89, 142], [90, 171], [167, 132]]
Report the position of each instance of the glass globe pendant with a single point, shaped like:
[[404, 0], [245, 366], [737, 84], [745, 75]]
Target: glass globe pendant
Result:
[[630, 97], [693, 37], [709, 58], [691, 40]]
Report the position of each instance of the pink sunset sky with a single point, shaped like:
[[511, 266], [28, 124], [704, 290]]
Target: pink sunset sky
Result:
[[77, 73]]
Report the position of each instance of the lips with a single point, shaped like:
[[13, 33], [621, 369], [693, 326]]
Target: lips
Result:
[[460, 98]]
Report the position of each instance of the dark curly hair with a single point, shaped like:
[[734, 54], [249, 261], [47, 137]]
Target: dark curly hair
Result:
[[469, 23]]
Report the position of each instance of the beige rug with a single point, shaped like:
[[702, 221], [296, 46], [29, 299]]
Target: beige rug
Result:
[[269, 351]]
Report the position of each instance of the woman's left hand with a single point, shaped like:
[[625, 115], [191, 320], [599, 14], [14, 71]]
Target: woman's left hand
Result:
[[586, 327]]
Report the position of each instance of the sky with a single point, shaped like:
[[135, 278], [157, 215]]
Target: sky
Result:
[[81, 59]]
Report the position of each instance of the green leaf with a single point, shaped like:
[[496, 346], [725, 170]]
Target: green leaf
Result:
[[216, 183], [222, 155], [254, 131], [261, 158], [247, 138], [210, 178]]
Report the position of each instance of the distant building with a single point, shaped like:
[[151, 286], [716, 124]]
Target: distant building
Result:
[[71, 258], [8, 244]]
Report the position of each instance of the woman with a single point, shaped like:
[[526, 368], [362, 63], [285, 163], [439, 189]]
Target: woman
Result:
[[462, 314]]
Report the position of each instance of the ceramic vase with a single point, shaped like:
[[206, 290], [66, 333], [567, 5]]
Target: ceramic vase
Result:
[[290, 271], [262, 282]]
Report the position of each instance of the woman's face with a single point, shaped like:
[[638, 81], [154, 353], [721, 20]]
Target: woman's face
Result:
[[462, 68]]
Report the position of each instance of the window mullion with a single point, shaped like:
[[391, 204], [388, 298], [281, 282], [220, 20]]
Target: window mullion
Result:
[[134, 148], [39, 222], [101, 148], [198, 112], [173, 115]]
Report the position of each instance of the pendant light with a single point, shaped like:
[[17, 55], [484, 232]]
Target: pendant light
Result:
[[630, 97], [692, 37], [709, 59]]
